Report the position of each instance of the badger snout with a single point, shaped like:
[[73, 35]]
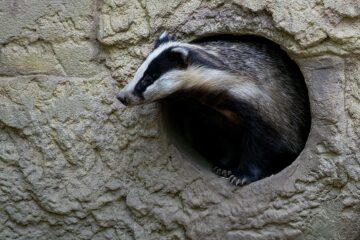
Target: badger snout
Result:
[[123, 98], [128, 98]]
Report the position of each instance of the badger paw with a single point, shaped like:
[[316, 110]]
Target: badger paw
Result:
[[239, 180], [221, 172]]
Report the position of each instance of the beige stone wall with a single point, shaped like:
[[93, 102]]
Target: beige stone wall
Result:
[[75, 164]]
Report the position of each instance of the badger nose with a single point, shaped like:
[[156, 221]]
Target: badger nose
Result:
[[123, 99]]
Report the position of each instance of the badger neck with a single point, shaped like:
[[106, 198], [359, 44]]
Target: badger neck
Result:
[[205, 80], [216, 89]]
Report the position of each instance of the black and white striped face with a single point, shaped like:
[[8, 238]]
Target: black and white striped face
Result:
[[155, 78]]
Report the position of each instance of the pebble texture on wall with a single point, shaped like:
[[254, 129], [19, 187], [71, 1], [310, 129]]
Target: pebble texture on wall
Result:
[[76, 164]]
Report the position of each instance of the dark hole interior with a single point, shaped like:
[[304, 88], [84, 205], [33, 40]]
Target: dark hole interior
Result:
[[203, 131]]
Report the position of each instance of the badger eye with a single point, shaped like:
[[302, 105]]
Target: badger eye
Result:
[[148, 79], [154, 75]]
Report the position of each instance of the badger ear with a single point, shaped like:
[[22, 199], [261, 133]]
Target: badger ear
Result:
[[164, 38], [183, 53]]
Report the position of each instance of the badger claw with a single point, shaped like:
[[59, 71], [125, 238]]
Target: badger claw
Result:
[[239, 181]]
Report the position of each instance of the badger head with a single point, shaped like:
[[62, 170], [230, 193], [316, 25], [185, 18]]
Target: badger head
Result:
[[156, 77]]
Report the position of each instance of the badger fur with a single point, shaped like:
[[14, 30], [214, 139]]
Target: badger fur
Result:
[[247, 103]]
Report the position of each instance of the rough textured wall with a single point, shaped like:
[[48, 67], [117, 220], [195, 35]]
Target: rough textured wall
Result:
[[75, 164]]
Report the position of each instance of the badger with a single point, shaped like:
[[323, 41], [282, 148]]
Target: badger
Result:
[[242, 101]]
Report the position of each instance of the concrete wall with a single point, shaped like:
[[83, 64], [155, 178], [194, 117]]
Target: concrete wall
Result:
[[75, 164]]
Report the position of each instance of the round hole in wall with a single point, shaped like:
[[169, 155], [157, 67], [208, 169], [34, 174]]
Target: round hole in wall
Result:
[[251, 128]]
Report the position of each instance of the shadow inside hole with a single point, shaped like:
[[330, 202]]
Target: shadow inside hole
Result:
[[198, 130], [187, 124]]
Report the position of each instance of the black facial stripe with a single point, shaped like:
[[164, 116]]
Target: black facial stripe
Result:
[[141, 86], [165, 62], [202, 58]]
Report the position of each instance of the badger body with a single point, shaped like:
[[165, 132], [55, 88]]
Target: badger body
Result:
[[242, 104]]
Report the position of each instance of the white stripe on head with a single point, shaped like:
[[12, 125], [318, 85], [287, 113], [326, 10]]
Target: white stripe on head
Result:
[[153, 55], [163, 35]]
